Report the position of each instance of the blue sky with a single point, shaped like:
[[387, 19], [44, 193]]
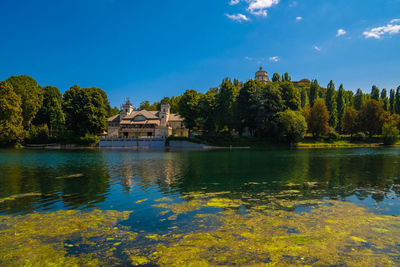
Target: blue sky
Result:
[[149, 49]]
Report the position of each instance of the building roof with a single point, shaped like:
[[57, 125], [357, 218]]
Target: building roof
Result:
[[149, 115], [261, 71]]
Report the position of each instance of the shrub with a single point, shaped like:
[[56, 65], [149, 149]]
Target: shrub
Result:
[[390, 134], [292, 125], [89, 140], [38, 135], [360, 136], [333, 135]]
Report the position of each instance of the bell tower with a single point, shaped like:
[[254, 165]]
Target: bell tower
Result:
[[262, 75], [126, 108], [164, 114]]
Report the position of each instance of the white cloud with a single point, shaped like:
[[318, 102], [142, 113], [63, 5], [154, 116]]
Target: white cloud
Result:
[[293, 4], [317, 48], [234, 2], [237, 17], [299, 18], [392, 28], [274, 59], [259, 7], [341, 32], [248, 58]]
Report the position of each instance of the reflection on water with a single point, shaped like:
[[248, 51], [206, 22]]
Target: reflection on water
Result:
[[350, 197]]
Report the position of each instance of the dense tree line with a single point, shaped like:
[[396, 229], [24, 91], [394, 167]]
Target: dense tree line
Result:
[[36, 114], [277, 109]]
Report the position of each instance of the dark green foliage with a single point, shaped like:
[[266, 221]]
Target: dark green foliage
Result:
[[392, 101], [51, 112], [89, 140], [85, 110], [333, 135], [270, 103], [290, 95], [360, 136], [38, 135], [390, 134], [11, 129], [331, 104], [207, 119], [340, 105], [358, 99], [286, 77], [226, 108], [305, 103], [292, 125], [314, 89], [397, 101], [188, 107], [31, 96], [385, 100], [276, 77], [375, 93], [350, 121]]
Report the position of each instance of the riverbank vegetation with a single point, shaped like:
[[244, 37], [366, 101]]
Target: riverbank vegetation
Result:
[[278, 111]]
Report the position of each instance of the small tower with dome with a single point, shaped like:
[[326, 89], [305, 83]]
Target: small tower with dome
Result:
[[262, 75]]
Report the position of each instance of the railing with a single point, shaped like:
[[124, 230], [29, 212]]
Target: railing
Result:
[[123, 138]]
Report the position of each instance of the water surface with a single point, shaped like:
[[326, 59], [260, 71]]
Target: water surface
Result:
[[161, 208]]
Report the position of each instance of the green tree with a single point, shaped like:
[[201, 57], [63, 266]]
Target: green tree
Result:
[[290, 95], [276, 77], [392, 101], [397, 101], [349, 121], [31, 96], [314, 89], [385, 100], [206, 108], [292, 125], [375, 93], [390, 134], [85, 110], [11, 129], [188, 107], [358, 99], [341, 105], [305, 103], [370, 117], [270, 103], [248, 104], [226, 105], [331, 104], [51, 112], [319, 119], [286, 77]]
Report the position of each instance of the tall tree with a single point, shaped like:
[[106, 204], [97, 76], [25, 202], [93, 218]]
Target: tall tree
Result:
[[51, 112], [290, 95], [226, 105], [385, 100], [331, 104], [305, 103], [340, 105], [85, 110], [358, 99], [370, 117], [276, 77], [188, 107], [314, 89], [397, 101], [375, 93], [247, 105], [269, 104], [31, 96], [292, 125], [319, 119], [11, 129], [286, 77], [349, 121], [392, 101], [207, 116]]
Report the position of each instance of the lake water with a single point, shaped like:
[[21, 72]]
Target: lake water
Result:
[[119, 207]]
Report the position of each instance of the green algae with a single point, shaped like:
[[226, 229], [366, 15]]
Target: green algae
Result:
[[18, 196], [141, 200], [44, 239], [76, 175]]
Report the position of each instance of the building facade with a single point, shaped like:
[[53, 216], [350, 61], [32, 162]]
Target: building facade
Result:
[[132, 123]]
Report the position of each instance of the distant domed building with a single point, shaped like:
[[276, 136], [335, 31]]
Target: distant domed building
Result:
[[262, 75]]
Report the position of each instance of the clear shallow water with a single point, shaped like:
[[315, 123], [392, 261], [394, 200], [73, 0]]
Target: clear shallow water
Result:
[[222, 183]]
